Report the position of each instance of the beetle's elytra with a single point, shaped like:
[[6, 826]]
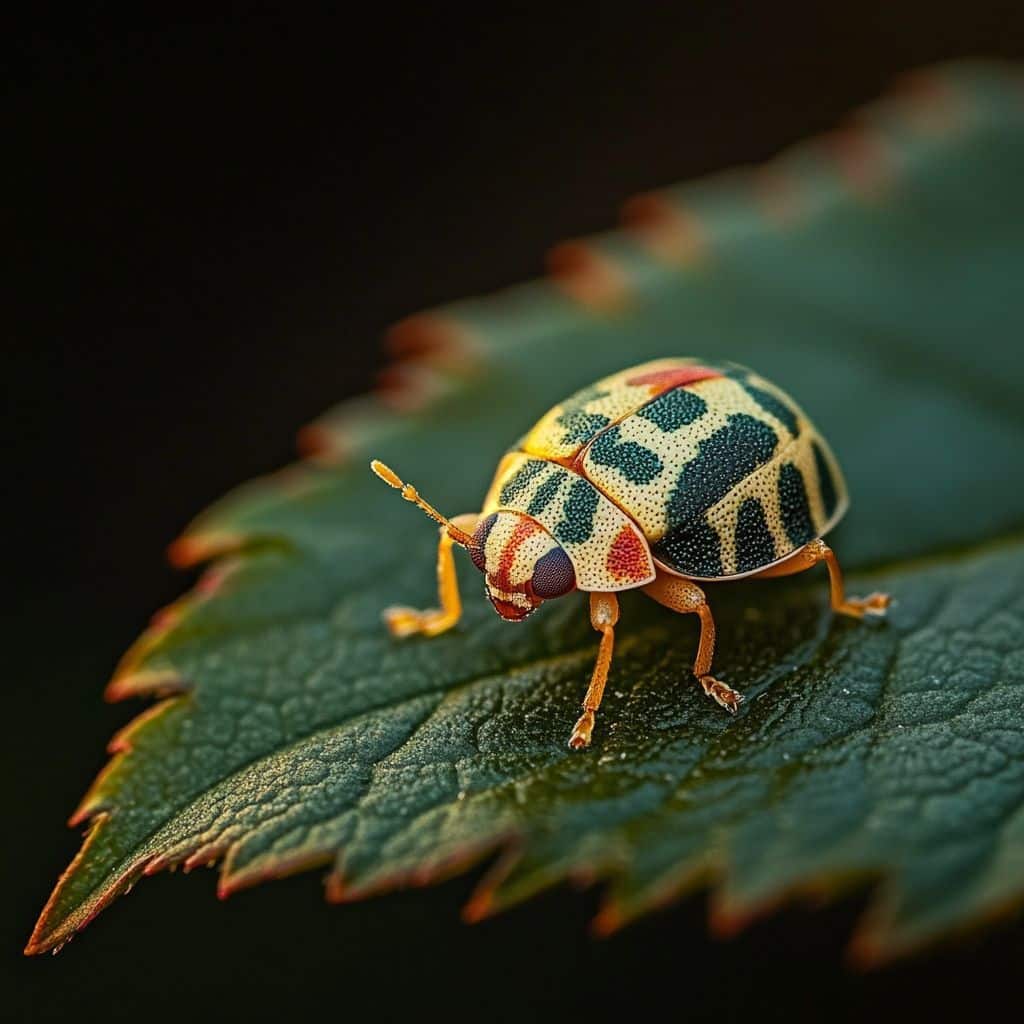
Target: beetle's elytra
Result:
[[653, 478]]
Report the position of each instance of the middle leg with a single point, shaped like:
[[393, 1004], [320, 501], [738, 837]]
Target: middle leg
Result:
[[688, 599]]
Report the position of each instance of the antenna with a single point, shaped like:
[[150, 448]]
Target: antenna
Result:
[[391, 478]]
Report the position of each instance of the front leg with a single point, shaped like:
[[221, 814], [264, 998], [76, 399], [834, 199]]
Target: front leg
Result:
[[402, 621], [688, 599], [604, 613]]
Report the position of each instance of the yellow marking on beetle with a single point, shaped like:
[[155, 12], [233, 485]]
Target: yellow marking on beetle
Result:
[[648, 503], [555, 436]]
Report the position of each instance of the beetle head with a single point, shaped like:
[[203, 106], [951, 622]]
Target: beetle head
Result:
[[522, 563]]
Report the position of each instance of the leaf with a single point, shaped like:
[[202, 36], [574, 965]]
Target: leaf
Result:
[[876, 275]]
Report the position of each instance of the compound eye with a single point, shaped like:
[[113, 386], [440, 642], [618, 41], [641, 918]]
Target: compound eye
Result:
[[477, 548], [553, 575]]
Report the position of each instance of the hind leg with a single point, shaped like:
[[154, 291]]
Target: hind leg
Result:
[[688, 599], [813, 554]]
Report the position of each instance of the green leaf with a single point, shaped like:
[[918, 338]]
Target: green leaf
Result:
[[876, 275]]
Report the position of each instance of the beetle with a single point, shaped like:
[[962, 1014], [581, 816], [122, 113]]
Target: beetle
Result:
[[658, 478]]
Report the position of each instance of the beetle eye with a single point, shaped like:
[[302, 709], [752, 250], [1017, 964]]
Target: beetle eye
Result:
[[553, 575], [480, 535]]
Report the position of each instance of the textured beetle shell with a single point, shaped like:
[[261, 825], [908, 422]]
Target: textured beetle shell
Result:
[[607, 549], [720, 470]]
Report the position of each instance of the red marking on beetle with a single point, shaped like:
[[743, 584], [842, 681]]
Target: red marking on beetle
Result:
[[508, 611], [627, 558], [524, 528], [665, 380]]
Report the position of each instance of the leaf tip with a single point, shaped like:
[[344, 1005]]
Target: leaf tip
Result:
[[62, 918]]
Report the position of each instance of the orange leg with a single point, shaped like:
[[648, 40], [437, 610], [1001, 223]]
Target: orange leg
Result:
[[811, 555], [402, 621], [604, 613], [688, 599]]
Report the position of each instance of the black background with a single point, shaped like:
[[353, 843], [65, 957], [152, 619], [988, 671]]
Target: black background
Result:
[[212, 220]]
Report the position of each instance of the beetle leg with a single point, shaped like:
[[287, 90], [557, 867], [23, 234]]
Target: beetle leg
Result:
[[858, 607], [814, 553], [604, 613], [402, 621], [688, 599]]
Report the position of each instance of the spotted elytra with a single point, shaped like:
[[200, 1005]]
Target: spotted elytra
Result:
[[656, 478]]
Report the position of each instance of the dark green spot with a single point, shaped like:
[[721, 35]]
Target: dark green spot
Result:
[[724, 459], [674, 409], [755, 545], [781, 410], [543, 495], [579, 427], [580, 506], [520, 480], [694, 549], [796, 511], [639, 465], [826, 485], [771, 403]]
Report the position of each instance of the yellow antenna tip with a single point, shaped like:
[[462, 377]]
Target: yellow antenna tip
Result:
[[386, 474], [392, 479]]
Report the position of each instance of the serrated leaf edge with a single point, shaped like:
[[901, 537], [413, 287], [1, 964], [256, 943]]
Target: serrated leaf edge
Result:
[[434, 354]]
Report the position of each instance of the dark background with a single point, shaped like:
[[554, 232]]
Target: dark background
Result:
[[211, 223]]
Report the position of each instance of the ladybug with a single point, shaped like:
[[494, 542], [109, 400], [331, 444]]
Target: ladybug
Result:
[[657, 478]]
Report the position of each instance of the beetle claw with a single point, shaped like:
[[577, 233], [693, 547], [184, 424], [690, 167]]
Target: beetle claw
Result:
[[402, 621], [876, 604], [724, 696], [873, 606], [582, 731]]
